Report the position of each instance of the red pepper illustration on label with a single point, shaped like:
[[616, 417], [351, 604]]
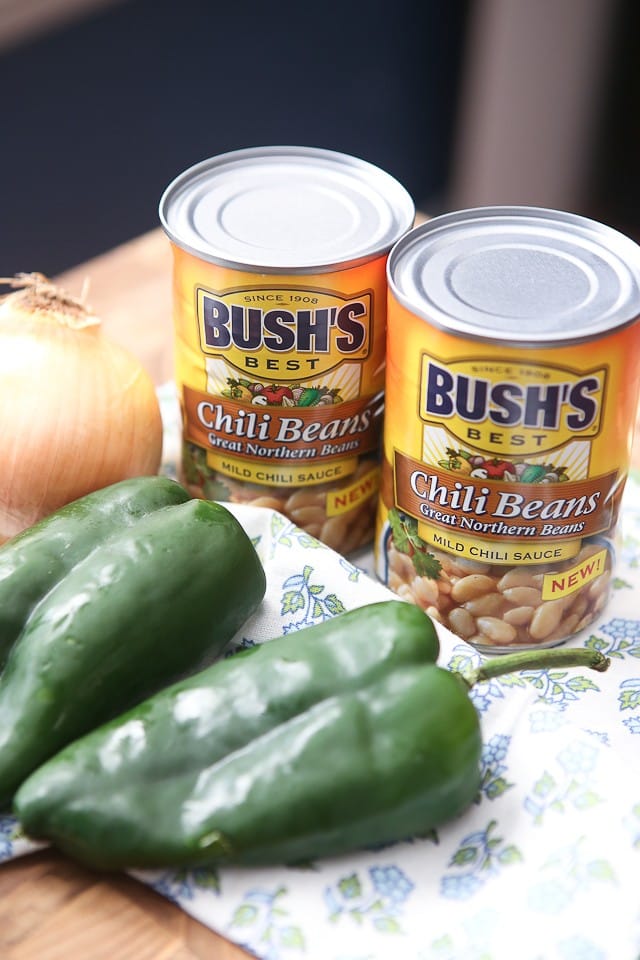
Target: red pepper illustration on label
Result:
[[496, 469], [276, 395]]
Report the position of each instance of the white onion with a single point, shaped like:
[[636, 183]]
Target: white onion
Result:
[[77, 411]]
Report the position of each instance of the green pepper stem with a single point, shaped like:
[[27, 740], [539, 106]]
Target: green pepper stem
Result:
[[537, 660]]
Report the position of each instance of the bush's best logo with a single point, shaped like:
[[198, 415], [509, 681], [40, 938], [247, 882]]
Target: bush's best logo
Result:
[[291, 333], [504, 406]]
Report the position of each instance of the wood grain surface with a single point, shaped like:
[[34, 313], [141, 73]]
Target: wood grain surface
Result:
[[53, 909], [130, 288]]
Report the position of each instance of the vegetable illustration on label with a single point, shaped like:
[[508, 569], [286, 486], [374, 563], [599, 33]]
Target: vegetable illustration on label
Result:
[[280, 395]]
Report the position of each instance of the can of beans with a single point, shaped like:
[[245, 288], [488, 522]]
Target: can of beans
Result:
[[512, 383], [280, 316]]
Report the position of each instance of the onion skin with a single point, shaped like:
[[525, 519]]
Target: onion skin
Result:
[[77, 411]]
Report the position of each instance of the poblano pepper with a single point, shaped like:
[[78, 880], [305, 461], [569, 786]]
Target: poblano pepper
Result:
[[314, 744], [34, 561], [157, 601]]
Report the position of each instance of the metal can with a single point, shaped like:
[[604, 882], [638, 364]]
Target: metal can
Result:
[[280, 317], [512, 382]]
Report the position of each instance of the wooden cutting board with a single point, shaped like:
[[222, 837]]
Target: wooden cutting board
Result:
[[52, 909], [130, 289]]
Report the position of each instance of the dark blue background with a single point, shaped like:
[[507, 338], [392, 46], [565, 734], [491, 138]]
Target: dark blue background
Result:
[[99, 116]]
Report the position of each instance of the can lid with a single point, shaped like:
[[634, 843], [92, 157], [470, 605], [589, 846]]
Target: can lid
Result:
[[286, 210], [522, 274]]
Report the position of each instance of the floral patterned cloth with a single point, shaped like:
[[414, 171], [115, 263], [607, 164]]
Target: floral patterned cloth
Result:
[[545, 864]]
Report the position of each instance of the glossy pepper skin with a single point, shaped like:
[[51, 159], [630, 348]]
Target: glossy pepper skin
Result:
[[313, 744], [34, 561], [154, 603]]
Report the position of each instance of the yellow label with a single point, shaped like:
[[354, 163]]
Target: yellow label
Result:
[[345, 499], [277, 473], [280, 375], [284, 334], [507, 408], [563, 584], [484, 551], [515, 449]]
